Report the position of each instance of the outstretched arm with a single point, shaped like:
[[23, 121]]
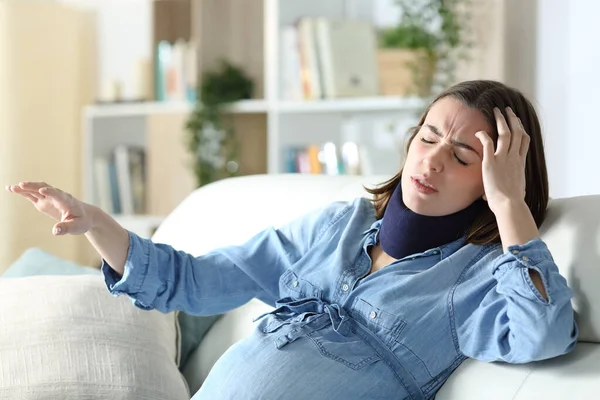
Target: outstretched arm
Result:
[[75, 217]]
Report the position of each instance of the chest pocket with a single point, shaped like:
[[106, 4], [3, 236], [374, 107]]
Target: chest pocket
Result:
[[386, 325], [290, 285], [350, 351], [390, 329]]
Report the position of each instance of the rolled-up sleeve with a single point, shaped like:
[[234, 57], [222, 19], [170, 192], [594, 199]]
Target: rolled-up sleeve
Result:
[[156, 276], [135, 270], [511, 321]]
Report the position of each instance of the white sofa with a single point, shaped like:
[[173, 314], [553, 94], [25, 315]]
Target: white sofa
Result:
[[232, 210]]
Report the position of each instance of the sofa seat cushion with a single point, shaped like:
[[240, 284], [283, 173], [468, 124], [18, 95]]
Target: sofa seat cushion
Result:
[[572, 376]]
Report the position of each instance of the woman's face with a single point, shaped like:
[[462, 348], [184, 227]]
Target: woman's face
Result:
[[442, 172]]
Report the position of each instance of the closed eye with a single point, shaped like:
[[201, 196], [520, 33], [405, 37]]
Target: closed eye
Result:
[[461, 162]]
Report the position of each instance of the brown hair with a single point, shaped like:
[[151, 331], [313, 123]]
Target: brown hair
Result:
[[484, 95]]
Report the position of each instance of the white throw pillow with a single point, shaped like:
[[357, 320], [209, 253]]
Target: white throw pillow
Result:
[[66, 337]]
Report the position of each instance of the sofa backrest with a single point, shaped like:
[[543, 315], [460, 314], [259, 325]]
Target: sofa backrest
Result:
[[572, 232], [232, 210]]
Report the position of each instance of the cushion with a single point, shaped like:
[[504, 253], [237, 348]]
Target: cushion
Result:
[[193, 329], [36, 261], [66, 337]]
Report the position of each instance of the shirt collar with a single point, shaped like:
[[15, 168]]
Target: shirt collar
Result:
[[375, 226]]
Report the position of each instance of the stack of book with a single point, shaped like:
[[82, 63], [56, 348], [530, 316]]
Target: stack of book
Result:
[[328, 159], [120, 181], [323, 58], [175, 71]]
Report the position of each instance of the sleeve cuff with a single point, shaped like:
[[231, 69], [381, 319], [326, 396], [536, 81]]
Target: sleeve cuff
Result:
[[525, 257], [136, 269]]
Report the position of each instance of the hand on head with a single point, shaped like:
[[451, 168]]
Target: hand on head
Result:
[[503, 170]]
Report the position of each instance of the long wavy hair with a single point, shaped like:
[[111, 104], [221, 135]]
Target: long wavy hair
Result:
[[484, 95]]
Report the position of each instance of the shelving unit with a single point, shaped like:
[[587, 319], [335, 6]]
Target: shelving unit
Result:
[[248, 35], [351, 105], [347, 105], [165, 107]]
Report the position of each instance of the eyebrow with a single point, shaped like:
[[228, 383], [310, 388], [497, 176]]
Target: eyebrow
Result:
[[454, 142]]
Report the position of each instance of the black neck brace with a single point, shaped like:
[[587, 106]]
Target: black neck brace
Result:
[[404, 232]]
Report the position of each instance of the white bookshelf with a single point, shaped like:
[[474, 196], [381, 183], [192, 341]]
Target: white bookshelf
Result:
[[350, 105], [288, 123], [165, 107], [346, 105]]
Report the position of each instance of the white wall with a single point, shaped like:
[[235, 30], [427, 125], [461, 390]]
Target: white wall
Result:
[[583, 104], [124, 37], [567, 93]]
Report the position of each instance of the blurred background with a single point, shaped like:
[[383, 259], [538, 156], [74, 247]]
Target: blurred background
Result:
[[132, 104]]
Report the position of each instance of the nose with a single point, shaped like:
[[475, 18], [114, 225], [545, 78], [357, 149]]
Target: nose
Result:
[[434, 160]]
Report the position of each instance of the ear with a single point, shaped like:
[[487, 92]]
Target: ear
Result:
[[484, 197]]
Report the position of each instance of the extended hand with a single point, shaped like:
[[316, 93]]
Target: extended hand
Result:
[[504, 170], [72, 214]]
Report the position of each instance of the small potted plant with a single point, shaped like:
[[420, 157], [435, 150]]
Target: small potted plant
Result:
[[420, 53], [211, 140]]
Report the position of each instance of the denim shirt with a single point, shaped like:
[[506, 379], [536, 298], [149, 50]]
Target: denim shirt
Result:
[[338, 332]]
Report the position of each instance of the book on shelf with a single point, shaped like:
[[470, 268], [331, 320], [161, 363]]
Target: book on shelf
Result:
[[120, 181], [328, 159], [175, 71], [324, 58]]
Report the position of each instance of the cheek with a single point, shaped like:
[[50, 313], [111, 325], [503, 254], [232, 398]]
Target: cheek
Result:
[[471, 182], [414, 151]]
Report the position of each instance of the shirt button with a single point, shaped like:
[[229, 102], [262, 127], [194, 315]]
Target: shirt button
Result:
[[345, 287], [515, 252], [524, 258], [372, 315], [295, 284]]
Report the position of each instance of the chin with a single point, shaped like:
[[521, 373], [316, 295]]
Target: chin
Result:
[[415, 203], [430, 206], [422, 207]]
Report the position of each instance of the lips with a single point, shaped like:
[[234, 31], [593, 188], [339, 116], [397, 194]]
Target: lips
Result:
[[422, 184], [424, 181]]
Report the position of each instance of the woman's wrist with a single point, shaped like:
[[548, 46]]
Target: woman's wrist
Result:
[[93, 214], [515, 223]]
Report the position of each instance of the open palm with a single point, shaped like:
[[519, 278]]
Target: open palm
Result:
[[58, 205]]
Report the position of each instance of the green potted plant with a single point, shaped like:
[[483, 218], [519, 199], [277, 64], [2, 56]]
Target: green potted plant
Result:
[[420, 53], [211, 138]]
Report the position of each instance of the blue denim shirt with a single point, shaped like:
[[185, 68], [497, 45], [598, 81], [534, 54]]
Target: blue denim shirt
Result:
[[340, 333]]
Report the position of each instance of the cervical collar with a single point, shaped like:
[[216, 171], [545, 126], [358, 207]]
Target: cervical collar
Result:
[[404, 232]]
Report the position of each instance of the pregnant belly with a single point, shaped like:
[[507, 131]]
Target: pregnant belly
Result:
[[255, 368]]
